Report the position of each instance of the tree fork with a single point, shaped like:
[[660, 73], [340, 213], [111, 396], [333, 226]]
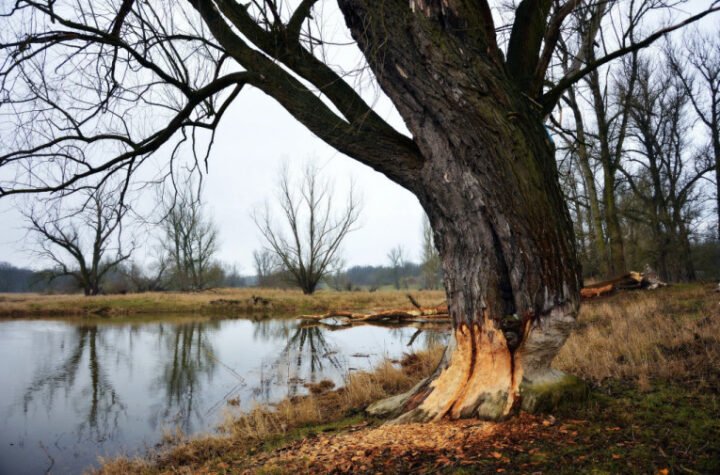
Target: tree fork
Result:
[[489, 186]]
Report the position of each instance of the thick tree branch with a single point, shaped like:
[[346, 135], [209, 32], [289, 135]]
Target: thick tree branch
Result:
[[525, 40], [286, 48], [125, 9], [552, 35], [384, 150], [301, 13]]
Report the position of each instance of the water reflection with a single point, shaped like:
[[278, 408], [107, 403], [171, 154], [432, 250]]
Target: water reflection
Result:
[[75, 391], [305, 356], [99, 406], [270, 329], [190, 361]]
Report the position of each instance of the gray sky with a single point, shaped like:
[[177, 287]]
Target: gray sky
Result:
[[255, 138], [253, 141]]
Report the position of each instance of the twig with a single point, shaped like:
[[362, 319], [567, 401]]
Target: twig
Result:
[[52, 460], [413, 301], [415, 335]]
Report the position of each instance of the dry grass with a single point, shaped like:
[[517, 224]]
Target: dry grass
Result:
[[217, 301], [361, 389], [671, 333], [267, 425]]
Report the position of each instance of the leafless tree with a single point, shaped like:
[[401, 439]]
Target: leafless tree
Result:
[[84, 243], [598, 107], [697, 65], [79, 76], [190, 240], [431, 269], [144, 279], [396, 256], [307, 243], [663, 168], [266, 265]]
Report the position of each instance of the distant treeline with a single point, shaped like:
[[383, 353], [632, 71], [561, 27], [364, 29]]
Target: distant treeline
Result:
[[706, 259], [124, 279], [378, 276], [129, 278]]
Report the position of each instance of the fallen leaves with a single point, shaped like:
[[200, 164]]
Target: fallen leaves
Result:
[[423, 448]]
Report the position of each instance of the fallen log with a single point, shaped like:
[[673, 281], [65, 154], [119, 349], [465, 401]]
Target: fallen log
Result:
[[422, 314], [630, 281]]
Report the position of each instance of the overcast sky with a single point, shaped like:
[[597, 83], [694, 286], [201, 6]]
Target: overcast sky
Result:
[[255, 138], [253, 141]]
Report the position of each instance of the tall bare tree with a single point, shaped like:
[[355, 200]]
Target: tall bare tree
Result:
[[190, 240], [477, 155], [697, 65], [266, 264], [84, 243], [307, 243], [663, 168], [396, 256], [599, 113]]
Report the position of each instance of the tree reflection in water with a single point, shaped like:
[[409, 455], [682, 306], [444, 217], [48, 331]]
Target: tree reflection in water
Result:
[[430, 335], [272, 330], [96, 360], [304, 357], [190, 359], [99, 407]]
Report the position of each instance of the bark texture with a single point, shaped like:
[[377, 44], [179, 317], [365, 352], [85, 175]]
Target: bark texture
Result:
[[489, 186]]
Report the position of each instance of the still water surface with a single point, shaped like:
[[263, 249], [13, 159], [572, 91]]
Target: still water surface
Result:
[[72, 391]]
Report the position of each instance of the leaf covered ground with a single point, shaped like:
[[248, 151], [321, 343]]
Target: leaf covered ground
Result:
[[621, 430]]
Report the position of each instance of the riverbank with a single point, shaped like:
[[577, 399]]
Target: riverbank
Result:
[[652, 360], [246, 301]]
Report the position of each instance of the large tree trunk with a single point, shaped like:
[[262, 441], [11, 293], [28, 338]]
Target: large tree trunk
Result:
[[490, 189]]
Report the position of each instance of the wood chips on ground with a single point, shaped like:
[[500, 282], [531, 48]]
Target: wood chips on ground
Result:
[[408, 448]]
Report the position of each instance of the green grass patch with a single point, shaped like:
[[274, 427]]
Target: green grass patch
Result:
[[621, 429]]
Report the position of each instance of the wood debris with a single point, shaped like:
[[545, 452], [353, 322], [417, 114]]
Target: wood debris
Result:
[[422, 448], [418, 314], [630, 281]]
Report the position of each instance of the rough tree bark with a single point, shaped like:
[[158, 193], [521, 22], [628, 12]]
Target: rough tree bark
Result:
[[489, 187]]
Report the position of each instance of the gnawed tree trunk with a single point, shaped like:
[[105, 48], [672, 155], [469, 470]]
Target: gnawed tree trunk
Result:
[[489, 187]]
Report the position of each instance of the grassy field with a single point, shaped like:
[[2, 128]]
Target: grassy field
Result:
[[652, 360], [213, 302]]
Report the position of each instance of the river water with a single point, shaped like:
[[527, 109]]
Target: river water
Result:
[[75, 390]]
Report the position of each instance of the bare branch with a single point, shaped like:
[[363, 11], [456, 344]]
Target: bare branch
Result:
[[550, 98]]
